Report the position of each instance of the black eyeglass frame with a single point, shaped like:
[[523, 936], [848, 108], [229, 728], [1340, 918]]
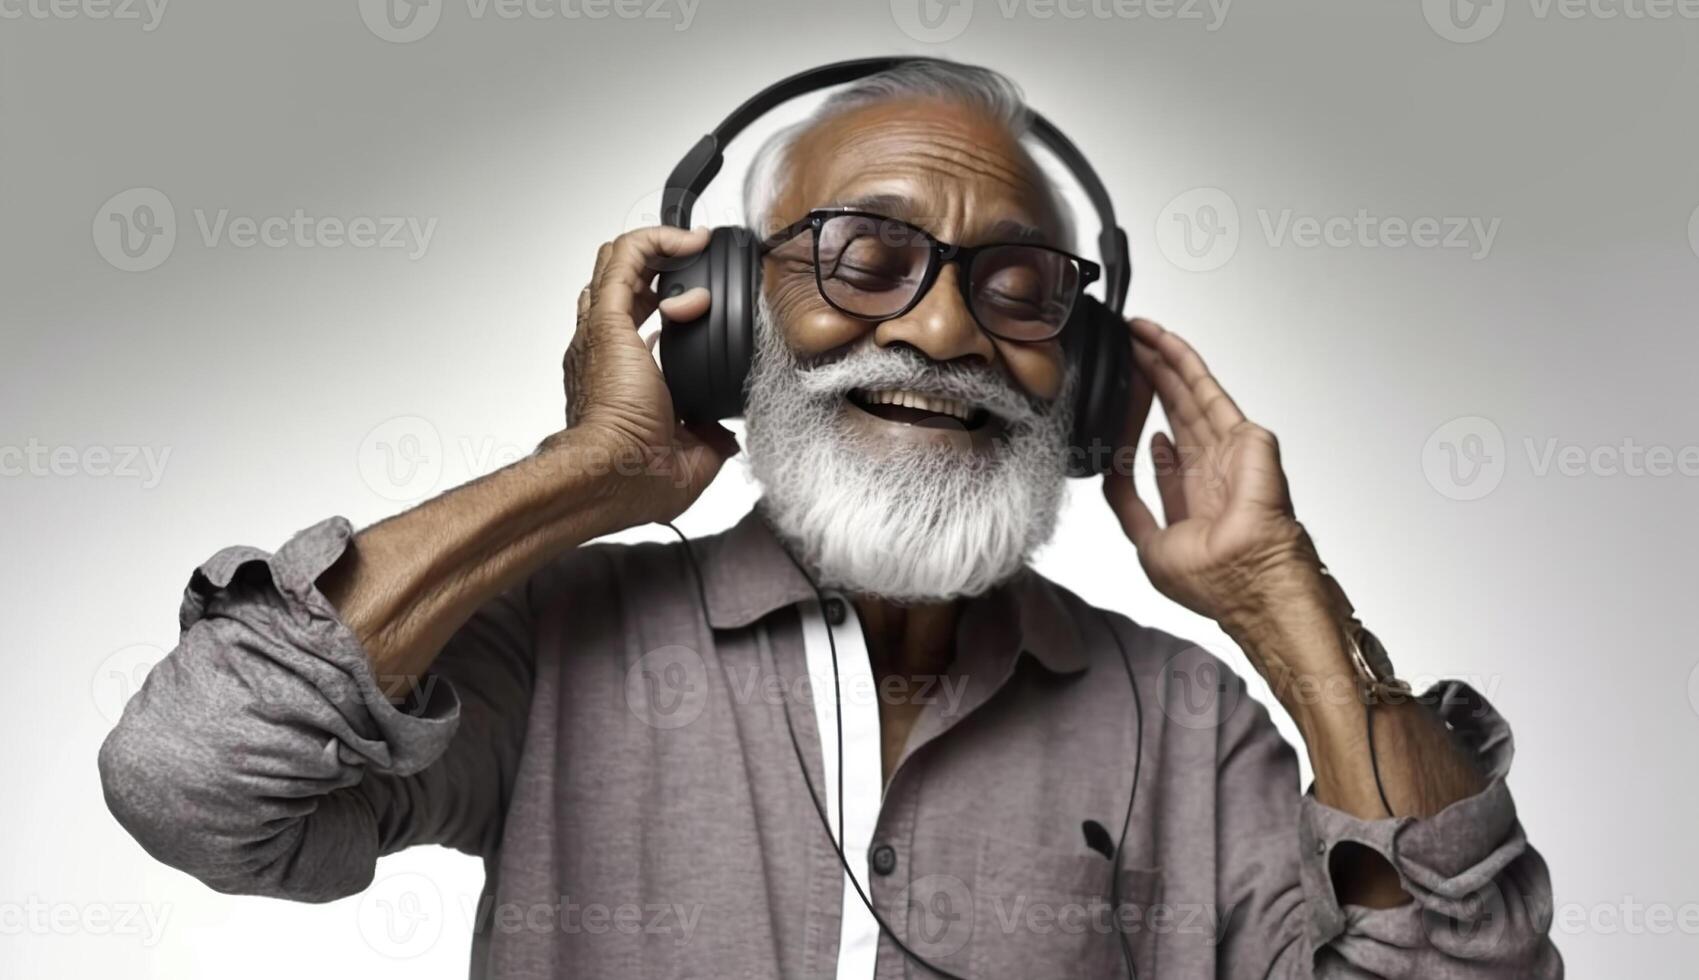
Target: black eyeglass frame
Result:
[[941, 254]]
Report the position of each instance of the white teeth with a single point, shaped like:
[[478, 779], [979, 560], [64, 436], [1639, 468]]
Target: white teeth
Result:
[[915, 400]]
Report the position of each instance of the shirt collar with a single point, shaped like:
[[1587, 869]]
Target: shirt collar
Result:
[[747, 574]]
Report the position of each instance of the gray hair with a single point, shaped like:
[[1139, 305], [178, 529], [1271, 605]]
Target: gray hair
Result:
[[970, 85]]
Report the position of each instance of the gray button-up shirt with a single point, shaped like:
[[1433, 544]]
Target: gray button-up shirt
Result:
[[615, 743]]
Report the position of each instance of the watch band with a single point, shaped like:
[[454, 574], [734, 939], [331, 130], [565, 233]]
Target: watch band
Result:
[[1368, 655]]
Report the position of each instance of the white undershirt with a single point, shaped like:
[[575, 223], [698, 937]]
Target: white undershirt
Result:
[[858, 942]]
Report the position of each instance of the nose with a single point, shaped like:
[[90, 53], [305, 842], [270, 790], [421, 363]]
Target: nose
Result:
[[940, 325]]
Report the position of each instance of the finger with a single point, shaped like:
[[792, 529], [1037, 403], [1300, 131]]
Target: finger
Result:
[[652, 340], [587, 297], [701, 454], [643, 304], [716, 436], [1184, 415], [603, 253], [647, 301], [1215, 406], [583, 310], [1170, 482], [1146, 330], [1137, 522], [686, 306], [1178, 399], [1218, 407], [635, 259]]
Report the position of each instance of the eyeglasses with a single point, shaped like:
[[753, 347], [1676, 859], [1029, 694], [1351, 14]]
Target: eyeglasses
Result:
[[875, 268]]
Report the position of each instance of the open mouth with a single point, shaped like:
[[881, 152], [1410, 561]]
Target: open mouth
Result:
[[913, 408]]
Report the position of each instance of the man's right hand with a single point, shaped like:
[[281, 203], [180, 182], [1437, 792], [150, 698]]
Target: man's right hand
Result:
[[406, 584], [617, 403]]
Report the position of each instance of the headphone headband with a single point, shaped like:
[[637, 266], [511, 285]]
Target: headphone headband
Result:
[[699, 166]]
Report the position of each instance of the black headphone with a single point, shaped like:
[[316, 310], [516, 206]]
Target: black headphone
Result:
[[706, 361]]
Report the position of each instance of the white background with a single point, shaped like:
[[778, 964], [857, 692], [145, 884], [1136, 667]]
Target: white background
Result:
[[274, 377]]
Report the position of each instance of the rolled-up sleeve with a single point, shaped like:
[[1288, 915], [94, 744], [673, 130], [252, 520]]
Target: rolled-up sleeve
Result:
[[264, 757], [1481, 902]]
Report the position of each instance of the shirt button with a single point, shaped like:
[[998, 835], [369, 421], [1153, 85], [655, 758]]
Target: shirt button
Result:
[[836, 612], [884, 859], [1321, 847]]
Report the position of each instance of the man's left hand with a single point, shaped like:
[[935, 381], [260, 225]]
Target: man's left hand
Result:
[[1231, 549]]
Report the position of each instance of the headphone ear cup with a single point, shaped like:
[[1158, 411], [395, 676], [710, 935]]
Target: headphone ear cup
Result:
[[1102, 354], [706, 361]]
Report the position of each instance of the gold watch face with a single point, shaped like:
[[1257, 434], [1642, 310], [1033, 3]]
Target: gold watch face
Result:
[[1374, 667]]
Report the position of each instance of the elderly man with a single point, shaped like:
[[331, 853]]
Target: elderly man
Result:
[[643, 742]]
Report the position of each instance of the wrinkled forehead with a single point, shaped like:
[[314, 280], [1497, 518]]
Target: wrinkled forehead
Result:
[[955, 170]]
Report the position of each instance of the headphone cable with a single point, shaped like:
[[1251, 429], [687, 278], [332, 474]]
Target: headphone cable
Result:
[[837, 705], [1127, 821]]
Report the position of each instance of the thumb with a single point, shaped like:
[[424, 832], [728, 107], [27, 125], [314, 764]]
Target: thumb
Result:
[[686, 306], [711, 434], [1137, 522], [702, 450]]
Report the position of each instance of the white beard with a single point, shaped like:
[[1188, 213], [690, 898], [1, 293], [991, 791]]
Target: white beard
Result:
[[906, 523]]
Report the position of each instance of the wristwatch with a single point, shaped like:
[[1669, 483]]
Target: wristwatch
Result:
[[1368, 656]]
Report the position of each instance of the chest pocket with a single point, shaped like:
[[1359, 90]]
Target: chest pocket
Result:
[[1041, 913]]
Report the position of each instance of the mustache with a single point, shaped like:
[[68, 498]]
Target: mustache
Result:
[[901, 367]]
